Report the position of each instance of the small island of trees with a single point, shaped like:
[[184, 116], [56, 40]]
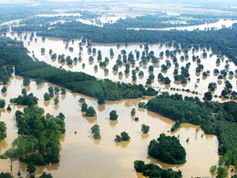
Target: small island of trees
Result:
[[167, 149], [122, 137]]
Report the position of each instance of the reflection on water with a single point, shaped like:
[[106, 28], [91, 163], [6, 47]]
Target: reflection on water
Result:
[[82, 156]]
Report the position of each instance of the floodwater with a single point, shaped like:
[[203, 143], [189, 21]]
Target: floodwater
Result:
[[82, 156], [197, 82], [221, 23]]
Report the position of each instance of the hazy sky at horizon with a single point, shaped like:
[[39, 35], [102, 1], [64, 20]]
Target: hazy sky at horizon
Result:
[[215, 2]]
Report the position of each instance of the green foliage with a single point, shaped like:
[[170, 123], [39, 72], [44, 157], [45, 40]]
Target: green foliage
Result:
[[39, 140], [122, 137], [142, 105], [3, 130], [221, 41], [45, 175], [56, 101], [207, 96], [213, 170], [153, 171], [227, 136], [63, 91], [84, 107], [214, 118], [101, 100], [90, 112], [162, 20], [221, 173], [133, 112], [28, 100], [167, 149], [4, 89], [5, 175], [5, 73], [188, 110], [13, 53], [46, 97], [145, 129], [175, 126], [96, 131], [30, 168], [26, 82], [113, 115], [2, 103]]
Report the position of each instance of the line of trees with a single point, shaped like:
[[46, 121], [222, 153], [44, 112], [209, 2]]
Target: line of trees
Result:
[[221, 41], [13, 53]]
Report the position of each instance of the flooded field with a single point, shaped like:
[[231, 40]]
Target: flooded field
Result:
[[207, 26], [85, 59], [81, 154]]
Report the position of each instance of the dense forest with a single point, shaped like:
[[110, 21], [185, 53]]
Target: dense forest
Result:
[[13, 53], [221, 41], [214, 118], [38, 140]]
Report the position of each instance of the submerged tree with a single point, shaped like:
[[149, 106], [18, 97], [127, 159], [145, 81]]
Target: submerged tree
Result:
[[145, 129], [96, 131], [113, 115], [3, 129]]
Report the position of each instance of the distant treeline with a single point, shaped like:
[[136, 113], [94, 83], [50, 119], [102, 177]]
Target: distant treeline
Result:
[[13, 53], [163, 20], [221, 41]]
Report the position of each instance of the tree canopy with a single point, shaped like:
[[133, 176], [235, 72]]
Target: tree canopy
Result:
[[38, 142], [167, 149]]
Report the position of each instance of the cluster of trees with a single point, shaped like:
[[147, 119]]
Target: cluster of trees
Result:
[[113, 115], [164, 80], [188, 110], [13, 53], [89, 111], [228, 92], [3, 130], [5, 175], [5, 73], [219, 172], [24, 99], [214, 118], [167, 149], [145, 129], [96, 131], [122, 137], [52, 91], [152, 170], [38, 142], [221, 41]]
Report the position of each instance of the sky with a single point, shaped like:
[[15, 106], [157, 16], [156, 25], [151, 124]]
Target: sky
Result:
[[226, 2]]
